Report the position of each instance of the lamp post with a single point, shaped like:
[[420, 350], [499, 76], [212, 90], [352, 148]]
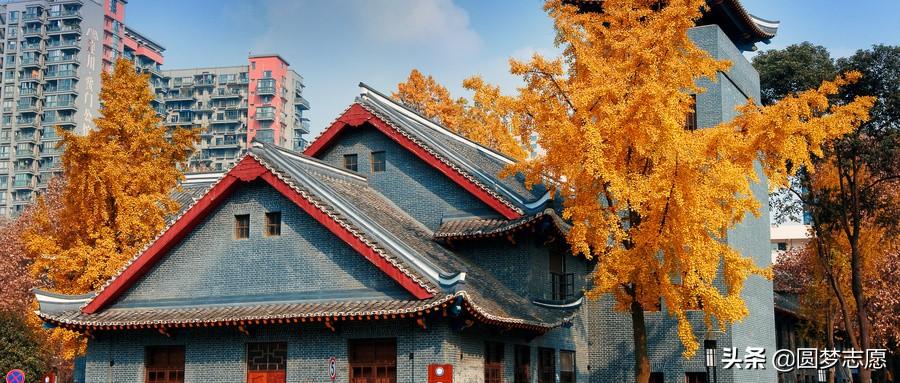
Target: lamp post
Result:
[[709, 345]]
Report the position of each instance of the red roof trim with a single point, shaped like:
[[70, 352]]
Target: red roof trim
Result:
[[247, 170], [356, 116]]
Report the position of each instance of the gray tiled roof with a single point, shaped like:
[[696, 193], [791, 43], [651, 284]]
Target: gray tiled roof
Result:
[[238, 313], [474, 160], [489, 227], [400, 239], [480, 286]]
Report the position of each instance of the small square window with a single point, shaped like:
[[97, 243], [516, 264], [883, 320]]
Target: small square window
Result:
[[350, 162], [378, 162], [242, 226], [782, 246], [273, 224]]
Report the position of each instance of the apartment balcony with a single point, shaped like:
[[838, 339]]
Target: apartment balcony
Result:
[[60, 105], [179, 97], [22, 185], [62, 44], [28, 138], [61, 74], [31, 17], [179, 122], [27, 153], [265, 116], [32, 62], [225, 145], [32, 32], [32, 47], [69, 121], [62, 59], [301, 103], [63, 30], [39, 78], [304, 124], [29, 92], [225, 96], [64, 14], [225, 121], [27, 108], [204, 83], [265, 90], [60, 90]]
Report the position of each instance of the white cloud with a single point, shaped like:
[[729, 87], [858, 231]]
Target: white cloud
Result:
[[437, 23]]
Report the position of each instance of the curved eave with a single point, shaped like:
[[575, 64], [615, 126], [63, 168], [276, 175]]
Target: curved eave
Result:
[[330, 318], [743, 28]]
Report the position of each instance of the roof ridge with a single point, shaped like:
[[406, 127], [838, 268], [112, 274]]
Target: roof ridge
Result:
[[312, 161], [438, 127]]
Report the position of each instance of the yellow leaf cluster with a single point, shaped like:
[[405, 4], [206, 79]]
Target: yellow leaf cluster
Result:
[[116, 197], [489, 120], [651, 200]]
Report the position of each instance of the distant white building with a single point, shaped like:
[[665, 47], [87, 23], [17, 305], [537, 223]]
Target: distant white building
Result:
[[788, 237]]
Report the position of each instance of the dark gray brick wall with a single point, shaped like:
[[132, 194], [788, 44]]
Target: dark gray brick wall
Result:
[[218, 355], [305, 262], [413, 185]]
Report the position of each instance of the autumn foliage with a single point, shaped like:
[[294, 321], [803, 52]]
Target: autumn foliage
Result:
[[116, 198], [489, 119], [651, 200]]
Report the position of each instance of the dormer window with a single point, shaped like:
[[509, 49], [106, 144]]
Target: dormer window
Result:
[[350, 162], [242, 226], [273, 224], [379, 163]]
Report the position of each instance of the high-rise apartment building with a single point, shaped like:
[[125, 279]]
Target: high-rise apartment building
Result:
[[53, 52], [233, 105]]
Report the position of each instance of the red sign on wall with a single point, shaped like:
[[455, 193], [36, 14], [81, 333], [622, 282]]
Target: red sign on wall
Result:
[[440, 373]]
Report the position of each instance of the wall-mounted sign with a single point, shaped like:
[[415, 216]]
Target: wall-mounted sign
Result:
[[440, 373], [332, 368]]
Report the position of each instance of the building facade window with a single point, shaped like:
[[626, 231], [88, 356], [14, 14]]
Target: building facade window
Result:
[[690, 122], [562, 284], [493, 362], [164, 364], [350, 162], [113, 6], [273, 224], [522, 364], [566, 366], [372, 360], [546, 365], [657, 377], [242, 226], [267, 362], [379, 162]]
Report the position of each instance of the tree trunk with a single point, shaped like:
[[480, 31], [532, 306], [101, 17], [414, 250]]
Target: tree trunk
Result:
[[862, 316], [639, 328], [829, 337]]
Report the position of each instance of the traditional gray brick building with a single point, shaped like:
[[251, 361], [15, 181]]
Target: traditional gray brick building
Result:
[[391, 251]]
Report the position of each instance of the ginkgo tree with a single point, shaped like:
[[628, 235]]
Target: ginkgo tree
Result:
[[119, 177], [649, 199]]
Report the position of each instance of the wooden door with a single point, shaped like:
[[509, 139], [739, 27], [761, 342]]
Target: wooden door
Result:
[[266, 362], [266, 377], [372, 360]]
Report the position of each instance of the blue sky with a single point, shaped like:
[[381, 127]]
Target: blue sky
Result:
[[336, 44]]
